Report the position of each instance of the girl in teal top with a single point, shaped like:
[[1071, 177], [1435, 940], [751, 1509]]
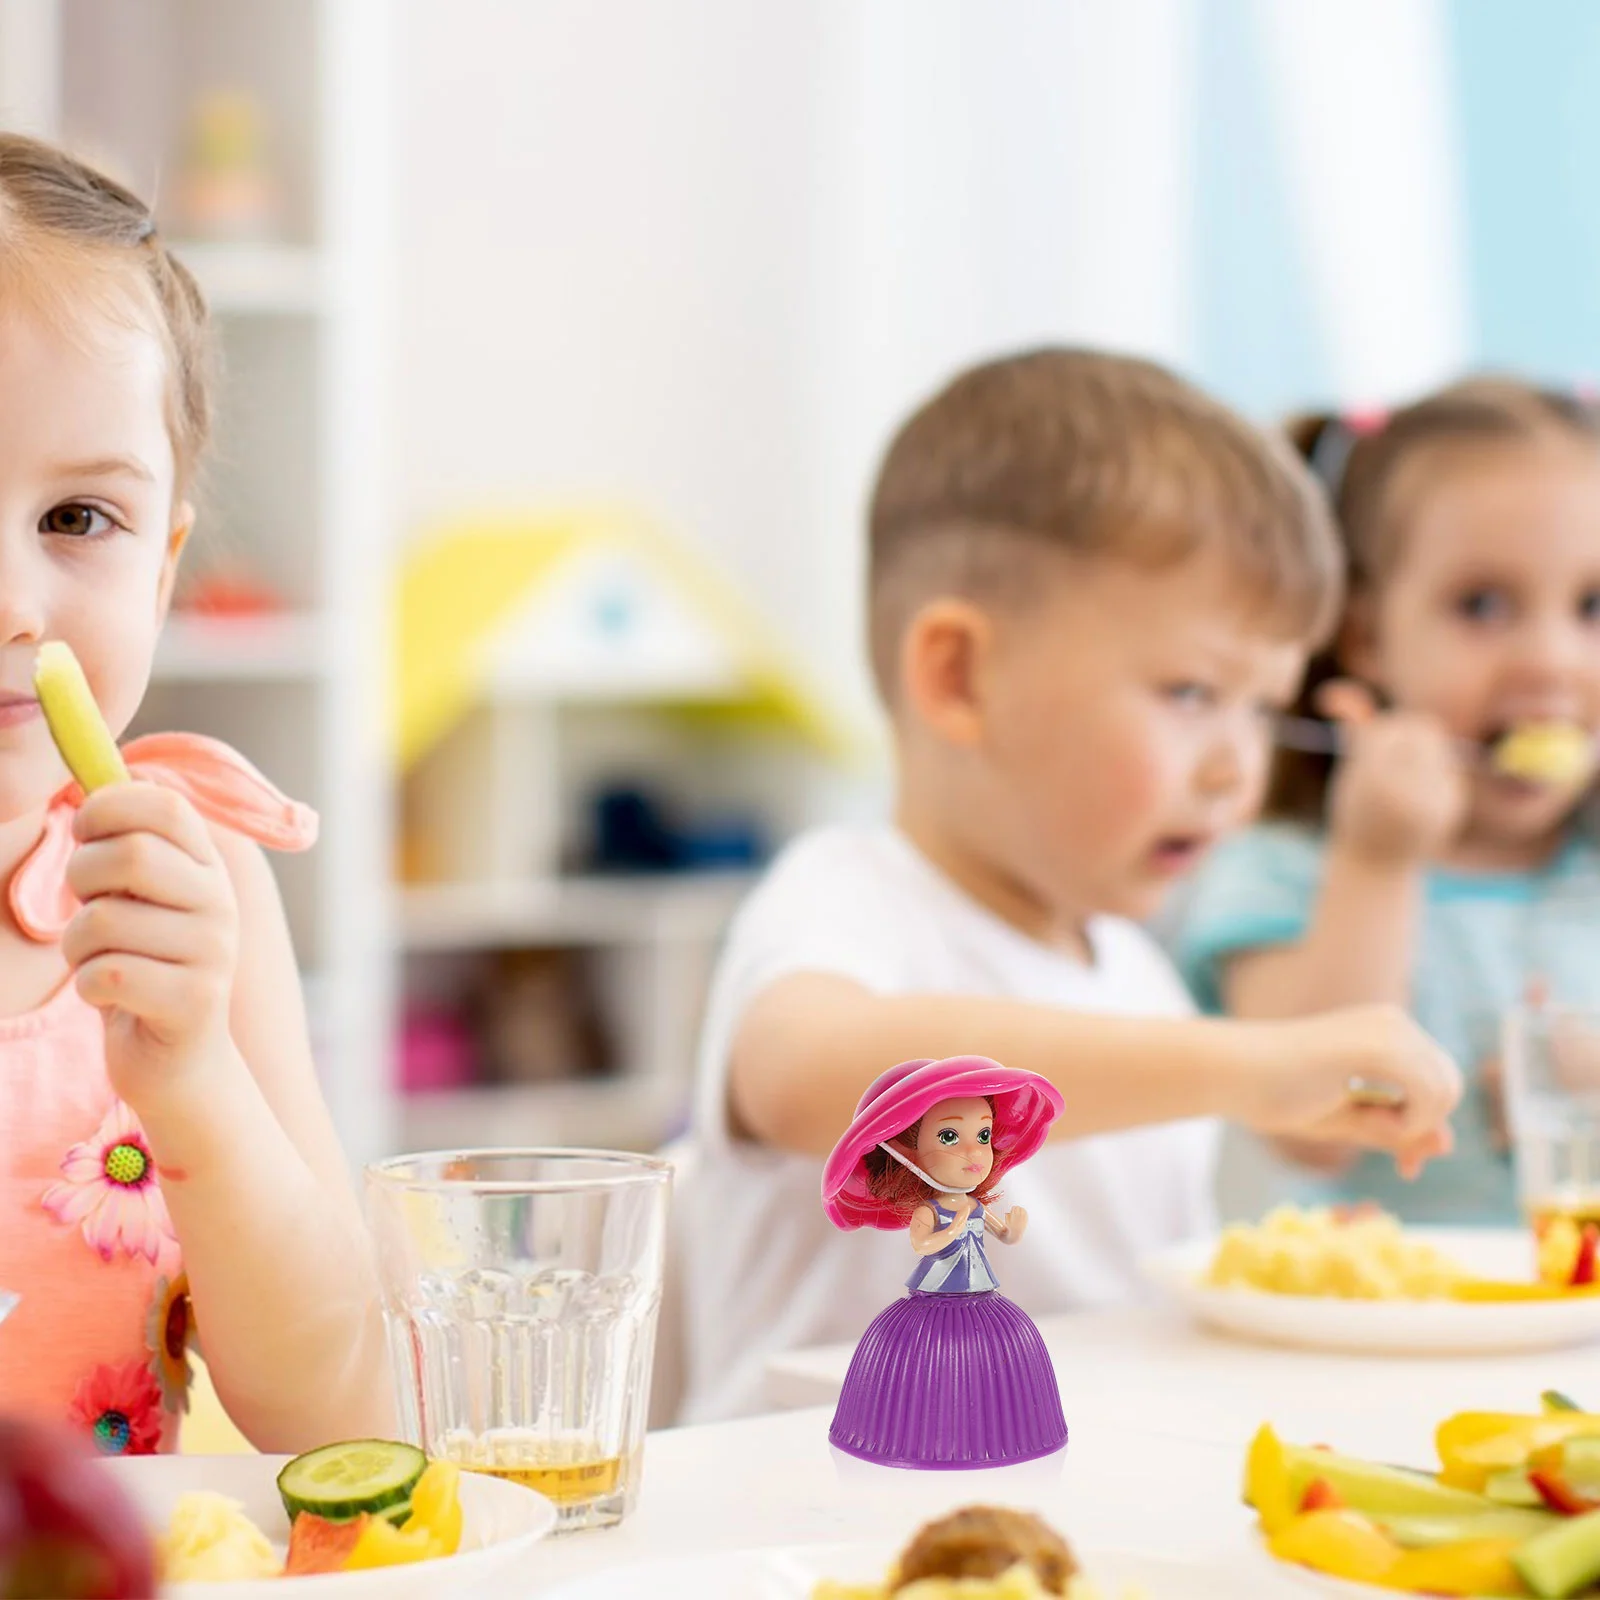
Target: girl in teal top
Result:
[[1408, 868]]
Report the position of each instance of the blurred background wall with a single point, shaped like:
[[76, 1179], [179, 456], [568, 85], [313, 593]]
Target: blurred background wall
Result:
[[579, 325]]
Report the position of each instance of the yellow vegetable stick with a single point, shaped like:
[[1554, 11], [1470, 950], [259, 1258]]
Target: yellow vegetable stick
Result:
[[74, 719]]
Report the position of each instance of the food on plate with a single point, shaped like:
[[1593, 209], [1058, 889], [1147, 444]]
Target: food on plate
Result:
[[67, 1528], [1362, 1254], [340, 1481], [977, 1553], [1513, 1508], [74, 719], [1557, 753], [211, 1540], [1567, 1249], [985, 1541], [352, 1507]]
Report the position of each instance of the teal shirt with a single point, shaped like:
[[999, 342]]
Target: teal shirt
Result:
[[1484, 938]]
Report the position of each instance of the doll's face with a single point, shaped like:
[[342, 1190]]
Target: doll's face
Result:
[[953, 1142]]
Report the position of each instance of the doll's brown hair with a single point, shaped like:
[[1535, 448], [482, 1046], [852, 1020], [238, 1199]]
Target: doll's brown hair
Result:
[[69, 235], [1375, 470]]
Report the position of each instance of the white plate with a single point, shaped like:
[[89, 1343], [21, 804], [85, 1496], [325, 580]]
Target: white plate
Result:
[[501, 1524], [792, 1574], [1394, 1327]]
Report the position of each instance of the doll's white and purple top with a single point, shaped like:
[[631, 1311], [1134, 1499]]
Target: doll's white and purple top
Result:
[[961, 1267]]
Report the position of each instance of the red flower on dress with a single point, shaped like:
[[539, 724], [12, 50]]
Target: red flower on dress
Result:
[[110, 1187], [121, 1408], [168, 1332]]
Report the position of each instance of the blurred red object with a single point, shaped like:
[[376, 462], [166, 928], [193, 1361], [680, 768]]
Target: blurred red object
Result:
[[68, 1531], [235, 595]]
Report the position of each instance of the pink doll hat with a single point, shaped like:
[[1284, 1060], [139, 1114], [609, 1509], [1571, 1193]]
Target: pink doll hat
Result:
[[1024, 1107]]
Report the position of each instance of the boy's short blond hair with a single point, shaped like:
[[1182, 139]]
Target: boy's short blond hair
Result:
[[1078, 451]]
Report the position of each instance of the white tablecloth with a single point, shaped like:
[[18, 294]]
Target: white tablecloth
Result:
[[1159, 1415]]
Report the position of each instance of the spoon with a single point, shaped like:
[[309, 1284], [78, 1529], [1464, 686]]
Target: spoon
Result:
[[1551, 752]]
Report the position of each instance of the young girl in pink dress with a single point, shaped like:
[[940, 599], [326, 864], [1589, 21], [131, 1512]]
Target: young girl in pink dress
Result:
[[167, 1166]]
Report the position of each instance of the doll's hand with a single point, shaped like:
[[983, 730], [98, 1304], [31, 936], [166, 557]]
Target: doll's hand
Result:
[[1013, 1225], [156, 941]]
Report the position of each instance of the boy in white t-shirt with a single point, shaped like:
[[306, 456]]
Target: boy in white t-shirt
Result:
[[1090, 588]]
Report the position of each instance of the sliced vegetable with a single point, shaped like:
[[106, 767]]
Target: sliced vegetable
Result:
[[1512, 1487], [1266, 1481], [1502, 1522], [436, 1507], [317, 1545], [1476, 1567], [1371, 1487], [1554, 1400], [341, 1481], [1559, 1494], [381, 1544], [1562, 1561], [1342, 1544]]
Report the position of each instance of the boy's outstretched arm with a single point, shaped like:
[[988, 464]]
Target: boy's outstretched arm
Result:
[[810, 1043]]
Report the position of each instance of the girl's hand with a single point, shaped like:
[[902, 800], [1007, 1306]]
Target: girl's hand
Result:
[[156, 943], [1013, 1225], [1400, 791]]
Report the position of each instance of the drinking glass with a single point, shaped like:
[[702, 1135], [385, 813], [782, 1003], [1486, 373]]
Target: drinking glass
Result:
[[520, 1292], [1552, 1074]]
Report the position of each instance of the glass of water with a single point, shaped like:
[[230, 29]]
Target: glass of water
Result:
[[1552, 1072], [520, 1291]]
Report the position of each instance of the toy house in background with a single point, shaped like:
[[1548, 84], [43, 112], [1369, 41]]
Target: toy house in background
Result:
[[597, 742]]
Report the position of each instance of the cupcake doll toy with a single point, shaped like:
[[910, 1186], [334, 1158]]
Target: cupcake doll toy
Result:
[[952, 1374]]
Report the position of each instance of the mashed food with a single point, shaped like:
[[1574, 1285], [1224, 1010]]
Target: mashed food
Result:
[[1366, 1256], [979, 1553], [211, 1540], [1017, 1584]]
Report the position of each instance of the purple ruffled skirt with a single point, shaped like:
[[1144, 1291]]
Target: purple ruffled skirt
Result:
[[950, 1381]]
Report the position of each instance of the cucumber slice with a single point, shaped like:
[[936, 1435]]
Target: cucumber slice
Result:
[[1553, 1400], [340, 1481], [1513, 1487], [1504, 1522], [1563, 1560]]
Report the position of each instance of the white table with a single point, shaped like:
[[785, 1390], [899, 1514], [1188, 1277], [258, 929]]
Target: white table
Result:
[[1159, 1413]]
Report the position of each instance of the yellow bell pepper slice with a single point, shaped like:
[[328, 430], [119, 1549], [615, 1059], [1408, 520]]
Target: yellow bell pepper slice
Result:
[[1469, 1567], [381, 1544], [432, 1530], [1266, 1481], [1473, 1445], [436, 1507], [1339, 1543]]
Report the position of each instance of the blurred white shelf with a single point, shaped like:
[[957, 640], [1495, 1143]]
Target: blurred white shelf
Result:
[[280, 647], [260, 279], [615, 1113], [683, 908]]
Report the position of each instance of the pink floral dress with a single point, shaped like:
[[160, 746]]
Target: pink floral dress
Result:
[[102, 1333]]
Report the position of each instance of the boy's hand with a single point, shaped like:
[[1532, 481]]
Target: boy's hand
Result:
[[156, 942], [1400, 790], [1303, 1074]]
